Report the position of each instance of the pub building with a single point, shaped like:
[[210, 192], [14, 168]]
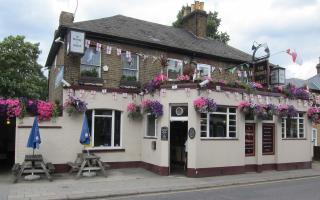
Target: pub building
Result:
[[109, 63]]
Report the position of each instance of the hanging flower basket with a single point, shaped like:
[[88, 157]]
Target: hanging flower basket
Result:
[[204, 105], [288, 111], [154, 84], [153, 107], [45, 110], [75, 105], [247, 107], [314, 114], [134, 111], [263, 111]]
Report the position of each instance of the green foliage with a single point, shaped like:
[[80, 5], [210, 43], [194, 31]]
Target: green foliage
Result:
[[90, 73], [213, 24], [129, 78], [20, 74]]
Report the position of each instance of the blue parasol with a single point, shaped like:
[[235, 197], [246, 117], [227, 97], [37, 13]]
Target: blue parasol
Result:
[[34, 138]]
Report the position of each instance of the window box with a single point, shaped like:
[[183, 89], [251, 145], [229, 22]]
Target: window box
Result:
[[129, 83], [86, 80]]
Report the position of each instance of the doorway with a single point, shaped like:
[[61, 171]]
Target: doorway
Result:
[[178, 138], [7, 143]]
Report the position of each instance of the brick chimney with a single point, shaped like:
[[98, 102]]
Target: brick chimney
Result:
[[65, 18], [195, 19], [318, 67]]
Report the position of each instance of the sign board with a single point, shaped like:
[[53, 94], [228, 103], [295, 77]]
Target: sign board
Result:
[[261, 72], [76, 42], [164, 133], [192, 133], [59, 77], [267, 139], [250, 139]]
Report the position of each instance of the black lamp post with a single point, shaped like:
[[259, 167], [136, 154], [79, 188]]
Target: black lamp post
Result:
[[278, 76]]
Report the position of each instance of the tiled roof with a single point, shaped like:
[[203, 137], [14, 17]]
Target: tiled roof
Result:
[[157, 34]]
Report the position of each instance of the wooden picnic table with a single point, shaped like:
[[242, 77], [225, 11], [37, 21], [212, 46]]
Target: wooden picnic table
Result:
[[90, 162], [32, 164]]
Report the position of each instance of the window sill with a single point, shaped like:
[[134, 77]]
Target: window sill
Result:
[[146, 137], [294, 138], [219, 138], [85, 80], [98, 150]]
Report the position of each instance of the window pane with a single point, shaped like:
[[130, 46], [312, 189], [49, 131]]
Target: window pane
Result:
[[292, 128], [232, 128], [151, 125], [102, 131], [232, 134], [129, 63], [232, 110], [233, 123], [232, 117], [91, 57], [103, 112], [204, 69], [221, 109], [129, 73], [217, 125], [174, 68], [117, 125]]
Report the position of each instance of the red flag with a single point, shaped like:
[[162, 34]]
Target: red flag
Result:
[[294, 56]]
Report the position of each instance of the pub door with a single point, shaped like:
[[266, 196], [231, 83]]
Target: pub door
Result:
[[178, 138], [7, 143]]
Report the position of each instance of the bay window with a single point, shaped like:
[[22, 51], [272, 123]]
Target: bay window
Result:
[[293, 127], [174, 68], [130, 66], [91, 63], [219, 124], [105, 126]]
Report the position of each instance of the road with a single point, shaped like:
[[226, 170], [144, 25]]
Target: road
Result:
[[301, 189]]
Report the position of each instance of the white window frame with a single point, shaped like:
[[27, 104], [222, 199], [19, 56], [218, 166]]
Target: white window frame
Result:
[[177, 60], [112, 130], [138, 65], [284, 127], [99, 66], [202, 65], [155, 128], [228, 113]]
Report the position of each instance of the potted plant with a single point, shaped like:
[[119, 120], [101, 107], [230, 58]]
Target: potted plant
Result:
[[204, 105], [134, 111], [152, 107], [75, 105]]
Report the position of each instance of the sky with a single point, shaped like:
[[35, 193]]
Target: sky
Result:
[[281, 24]]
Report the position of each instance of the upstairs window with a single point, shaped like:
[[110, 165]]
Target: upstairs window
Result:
[[91, 63], [174, 68], [293, 127], [204, 70], [130, 66], [219, 124]]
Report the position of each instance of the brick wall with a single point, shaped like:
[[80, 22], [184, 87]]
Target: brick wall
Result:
[[148, 68]]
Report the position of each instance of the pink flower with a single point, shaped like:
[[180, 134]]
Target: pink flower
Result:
[[45, 110], [131, 107], [160, 78], [183, 78], [146, 103], [14, 108], [199, 102]]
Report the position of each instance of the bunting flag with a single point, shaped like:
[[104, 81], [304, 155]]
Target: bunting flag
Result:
[[295, 58], [220, 70], [213, 68], [87, 43], [118, 52], [98, 47], [239, 73], [232, 70], [128, 54], [108, 50]]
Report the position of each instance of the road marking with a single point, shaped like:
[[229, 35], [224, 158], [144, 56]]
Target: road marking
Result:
[[212, 188]]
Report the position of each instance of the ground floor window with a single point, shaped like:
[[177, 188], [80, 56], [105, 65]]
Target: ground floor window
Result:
[[293, 127], [105, 126], [219, 124], [151, 130], [268, 139]]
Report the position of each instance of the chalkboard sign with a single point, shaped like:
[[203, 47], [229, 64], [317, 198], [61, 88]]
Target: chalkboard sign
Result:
[[268, 139], [164, 133], [250, 139], [261, 72]]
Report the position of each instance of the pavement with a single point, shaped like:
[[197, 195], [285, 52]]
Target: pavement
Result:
[[132, 181]]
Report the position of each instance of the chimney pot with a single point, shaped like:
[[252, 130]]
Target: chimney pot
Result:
[[66, 18], [195, 19]]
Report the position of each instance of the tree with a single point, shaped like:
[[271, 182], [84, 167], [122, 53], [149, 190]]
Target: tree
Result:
[[213, 24], [20, 74]]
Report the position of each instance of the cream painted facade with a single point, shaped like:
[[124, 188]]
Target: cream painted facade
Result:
[[60, 143]]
